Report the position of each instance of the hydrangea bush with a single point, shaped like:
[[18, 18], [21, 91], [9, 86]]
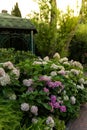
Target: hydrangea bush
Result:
[[47, 91]]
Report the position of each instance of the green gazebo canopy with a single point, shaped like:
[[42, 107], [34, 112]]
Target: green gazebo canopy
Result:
[[16, 26], [8, 21]]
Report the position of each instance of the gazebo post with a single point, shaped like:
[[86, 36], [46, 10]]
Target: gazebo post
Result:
[[32, 42]]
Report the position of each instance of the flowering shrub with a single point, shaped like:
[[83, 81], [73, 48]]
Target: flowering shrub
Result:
[[46, 90], [55, 86]]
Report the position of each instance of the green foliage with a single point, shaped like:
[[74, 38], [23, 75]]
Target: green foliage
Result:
[[14, 56], [79, 44], [10, 116], [83, 11], [44, 94], [16, 11], [71, 82], [55, 30]]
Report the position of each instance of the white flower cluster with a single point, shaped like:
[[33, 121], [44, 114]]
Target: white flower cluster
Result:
[[4, 78], [65, 59], [50, 122], [56, 56], [33, 109], [27, 82], [73, 100], [25, 107], [76, 64]]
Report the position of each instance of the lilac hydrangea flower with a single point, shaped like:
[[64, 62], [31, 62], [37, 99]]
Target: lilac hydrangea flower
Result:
[[53, 98], [54, 84], [56, 105], [63, 108]]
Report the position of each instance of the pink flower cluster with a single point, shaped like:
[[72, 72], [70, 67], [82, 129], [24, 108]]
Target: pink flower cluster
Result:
[[45, 78], [54, 84], [56, 105]]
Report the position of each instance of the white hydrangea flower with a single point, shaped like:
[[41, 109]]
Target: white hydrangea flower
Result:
[[46, 58], [80, 86], [76, 64], [40, 59], [27, 82], [54, 66], [66, 63], [2, 72], [56, 56], [53, 73], [63, 60], [37, 63], [75, 72], [8, 64], [12, 97], [66, 98], [5, 80], [61, 67], [34, 110], [16, 72], [34, 120], [44, 62], [50, 121], [24, 106], [81, 80], [73, 100]]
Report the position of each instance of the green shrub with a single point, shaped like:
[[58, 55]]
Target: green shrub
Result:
[[10, 116], [41, 93], [14, 56]]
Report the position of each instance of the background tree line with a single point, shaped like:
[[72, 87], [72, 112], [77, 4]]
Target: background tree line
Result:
[[58, 31]]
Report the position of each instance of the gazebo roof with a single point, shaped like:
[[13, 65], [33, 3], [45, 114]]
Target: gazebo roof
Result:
[[9, 22]]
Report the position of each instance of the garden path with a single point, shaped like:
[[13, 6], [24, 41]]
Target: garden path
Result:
[[81, 122]]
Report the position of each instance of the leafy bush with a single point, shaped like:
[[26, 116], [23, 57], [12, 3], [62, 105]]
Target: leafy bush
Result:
[[59, 78], [44, 91], [10, 115], [79, 44], [14, 56]]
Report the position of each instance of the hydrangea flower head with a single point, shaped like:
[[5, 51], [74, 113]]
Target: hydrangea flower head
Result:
[[56, 56], [50, 121], [63, 108], [27, 82], [24, 106], [44, 78], [34, 110]]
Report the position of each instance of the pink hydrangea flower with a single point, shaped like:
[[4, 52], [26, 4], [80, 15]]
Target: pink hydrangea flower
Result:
[[54, 84], [45, 78], [45, 89]]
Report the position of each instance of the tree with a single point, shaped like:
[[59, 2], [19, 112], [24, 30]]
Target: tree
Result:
[[16, 11], [55, 29], [83, 11]]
